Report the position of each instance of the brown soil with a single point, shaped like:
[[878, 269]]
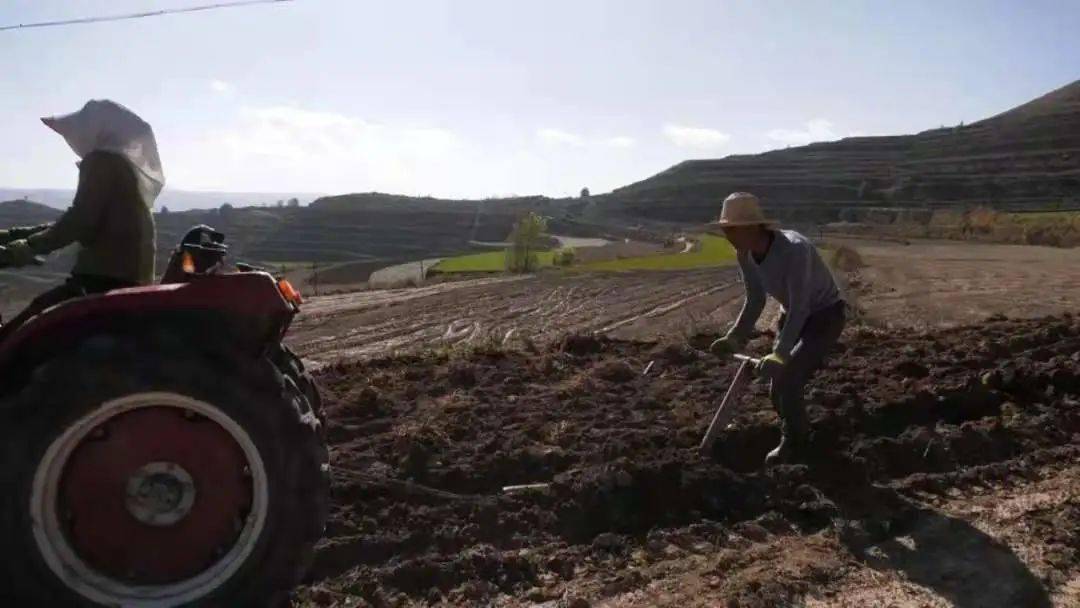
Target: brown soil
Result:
[[621, 250], [518, 311], [928, 284], [942, 472]]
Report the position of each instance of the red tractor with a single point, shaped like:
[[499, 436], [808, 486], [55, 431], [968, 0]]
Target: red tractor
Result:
[[160, 446]]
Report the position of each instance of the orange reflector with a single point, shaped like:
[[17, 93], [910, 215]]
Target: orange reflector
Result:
[[289, 292], [188, 263]]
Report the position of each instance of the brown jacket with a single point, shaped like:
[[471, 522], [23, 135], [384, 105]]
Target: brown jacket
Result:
[[109, 219]]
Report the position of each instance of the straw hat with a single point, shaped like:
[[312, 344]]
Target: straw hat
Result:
[[741, 209]]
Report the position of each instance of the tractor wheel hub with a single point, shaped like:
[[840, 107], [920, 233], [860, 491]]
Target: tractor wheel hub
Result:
[[153, 498], [160, 493]]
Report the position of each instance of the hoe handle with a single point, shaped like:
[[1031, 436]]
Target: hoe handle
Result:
[[727, 406]]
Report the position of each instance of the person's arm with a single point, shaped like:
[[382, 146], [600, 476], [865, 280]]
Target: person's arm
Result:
[[20, 232], [798, 301], [752, 305], [80, 221]]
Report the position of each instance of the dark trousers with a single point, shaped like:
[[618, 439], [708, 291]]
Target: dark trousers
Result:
[[818, 337], [77, 286]]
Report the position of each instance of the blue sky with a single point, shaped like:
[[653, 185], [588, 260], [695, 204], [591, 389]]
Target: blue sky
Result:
[[483, 98]]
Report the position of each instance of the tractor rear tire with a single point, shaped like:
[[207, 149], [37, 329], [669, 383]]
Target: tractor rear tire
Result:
[[290, 364], [138, 470]]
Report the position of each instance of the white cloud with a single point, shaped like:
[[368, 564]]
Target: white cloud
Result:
[[225, 89], [566, 138], [621, 141], [286, 147], [700, 138], [558, 136], [296, 148], [818, 129]]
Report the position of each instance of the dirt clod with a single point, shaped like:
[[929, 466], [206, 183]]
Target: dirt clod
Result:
[[581, 345], [912, 369], [462, 376], [615, 371], [679, 354]]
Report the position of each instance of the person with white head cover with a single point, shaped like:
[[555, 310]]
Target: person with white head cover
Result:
[[110, 217]]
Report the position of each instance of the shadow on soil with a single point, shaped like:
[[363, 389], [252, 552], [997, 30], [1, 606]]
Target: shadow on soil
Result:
[[959, 562], [945, 554], [888, 531]]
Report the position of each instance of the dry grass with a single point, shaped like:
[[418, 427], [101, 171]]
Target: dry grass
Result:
[[1066, 235], [846, 259], [846, 262], [1049, 229], [982, 220]]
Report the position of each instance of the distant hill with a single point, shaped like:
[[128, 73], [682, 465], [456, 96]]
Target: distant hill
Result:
[[175, 200], [375, 230], [1023, 158], [25, 213]]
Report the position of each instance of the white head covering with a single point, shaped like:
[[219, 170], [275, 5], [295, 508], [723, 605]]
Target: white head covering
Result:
[[106, 125]]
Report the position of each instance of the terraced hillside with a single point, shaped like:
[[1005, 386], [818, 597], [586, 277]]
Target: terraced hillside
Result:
[[382, 228], [1026, 157]]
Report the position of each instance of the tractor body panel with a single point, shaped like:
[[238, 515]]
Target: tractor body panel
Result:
[[249, 306]]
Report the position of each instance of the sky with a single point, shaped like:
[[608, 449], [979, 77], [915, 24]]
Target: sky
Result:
[[492, 98]]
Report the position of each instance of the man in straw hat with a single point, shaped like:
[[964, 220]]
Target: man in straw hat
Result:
[[785, 265]]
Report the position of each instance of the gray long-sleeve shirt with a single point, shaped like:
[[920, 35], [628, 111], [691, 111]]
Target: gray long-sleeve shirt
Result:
[[794, 274]]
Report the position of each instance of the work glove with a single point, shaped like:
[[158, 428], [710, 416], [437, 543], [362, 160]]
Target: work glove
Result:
[[18, 253], [771, 366], [726, 346]]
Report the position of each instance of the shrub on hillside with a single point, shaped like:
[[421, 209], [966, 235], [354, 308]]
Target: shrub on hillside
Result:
[[1063, 235], [563, 257], [981, 220], [846, 259]]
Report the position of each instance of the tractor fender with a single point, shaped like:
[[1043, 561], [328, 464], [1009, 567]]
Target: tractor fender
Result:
[[247, 310]]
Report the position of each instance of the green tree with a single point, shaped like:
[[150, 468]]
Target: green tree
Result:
[[524, 241], [563, 256]]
